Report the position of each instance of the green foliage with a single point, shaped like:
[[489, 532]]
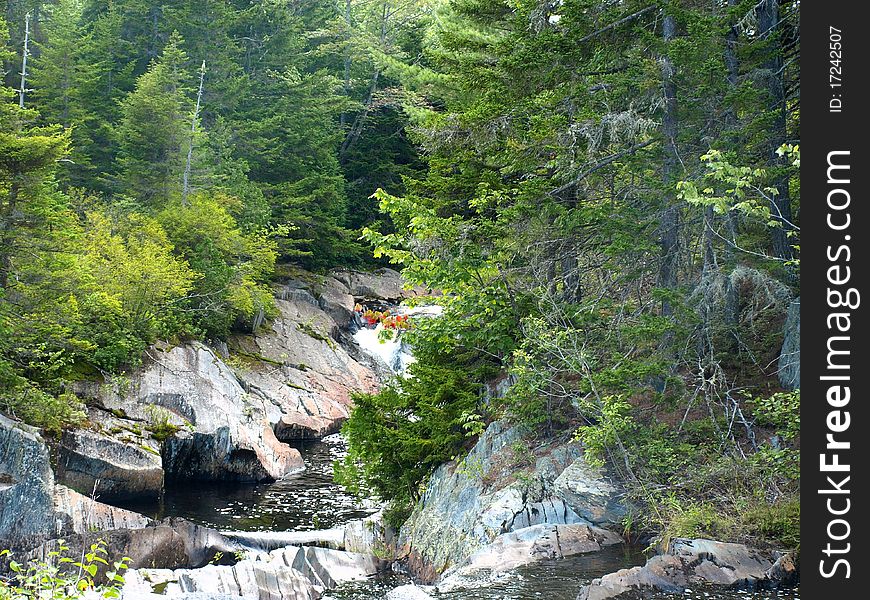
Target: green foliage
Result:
[[54, 414], [153, 129], [161, 426], [398, 436], [60, 577], [232, 266], [781, 411]]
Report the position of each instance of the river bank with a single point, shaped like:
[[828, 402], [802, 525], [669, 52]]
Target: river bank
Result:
[[211, 469]]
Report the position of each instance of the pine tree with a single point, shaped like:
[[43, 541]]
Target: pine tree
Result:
[[61, 74], [153, 131]]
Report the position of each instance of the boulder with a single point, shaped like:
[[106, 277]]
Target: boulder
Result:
[[371, 535], [33, 508], [590, 492], [383, 284], [212, 428], [534, 544], [291, 573], [493, 491], [247, 579], [693, 563], [789, 366], [335, 300], [170, 544], [92, 462], [26, 487], [332, 567], [82, 514]]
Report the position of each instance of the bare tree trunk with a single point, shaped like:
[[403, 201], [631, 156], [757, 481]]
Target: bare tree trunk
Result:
[[347, 61], [359, 122], [732, 63], [185, 187], [770, 27], [24, 55], [670, 219]]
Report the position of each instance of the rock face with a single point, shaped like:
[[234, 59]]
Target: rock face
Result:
[[116, 468], [790, 357], [292, 573], [383, 284], [81, 514], [296, 370], [33, 508], [213, 429], [370, 536], [695, 562], [536, 543], [467, 506], [187, 415], [26, 487]]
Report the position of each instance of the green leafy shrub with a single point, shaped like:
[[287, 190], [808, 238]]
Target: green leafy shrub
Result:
[[232, 265], [60, 577], [41, 409]]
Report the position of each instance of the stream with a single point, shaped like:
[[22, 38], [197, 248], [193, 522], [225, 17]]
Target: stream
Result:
[[303, 502], [311, 500]]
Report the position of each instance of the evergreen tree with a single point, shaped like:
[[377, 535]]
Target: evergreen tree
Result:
[[153, 131], [61, 74]]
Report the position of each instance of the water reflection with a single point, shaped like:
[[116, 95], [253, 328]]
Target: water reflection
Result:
[[303, 502]]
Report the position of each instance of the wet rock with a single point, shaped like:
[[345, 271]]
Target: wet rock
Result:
[[370, 536], [696, 562], [537, 543], [91, 462], [408, 592], [26, 487], [468, 505], [789, 366], [82, 514]]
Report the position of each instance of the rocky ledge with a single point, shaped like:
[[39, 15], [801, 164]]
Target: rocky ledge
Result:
[[291, 573], [33, 507], [227, 412], [696, 563], [509, 503]]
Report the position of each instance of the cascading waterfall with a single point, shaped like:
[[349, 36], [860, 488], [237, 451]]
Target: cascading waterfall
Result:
[[394, 351]]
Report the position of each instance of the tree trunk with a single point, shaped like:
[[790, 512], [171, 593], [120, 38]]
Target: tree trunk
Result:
[[185, 187], [769, 25], [24, 54], [670, 219], [347, 60]]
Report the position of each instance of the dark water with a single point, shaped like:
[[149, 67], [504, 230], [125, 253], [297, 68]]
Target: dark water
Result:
[[311, 500], [303, 502], [552, 580]]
